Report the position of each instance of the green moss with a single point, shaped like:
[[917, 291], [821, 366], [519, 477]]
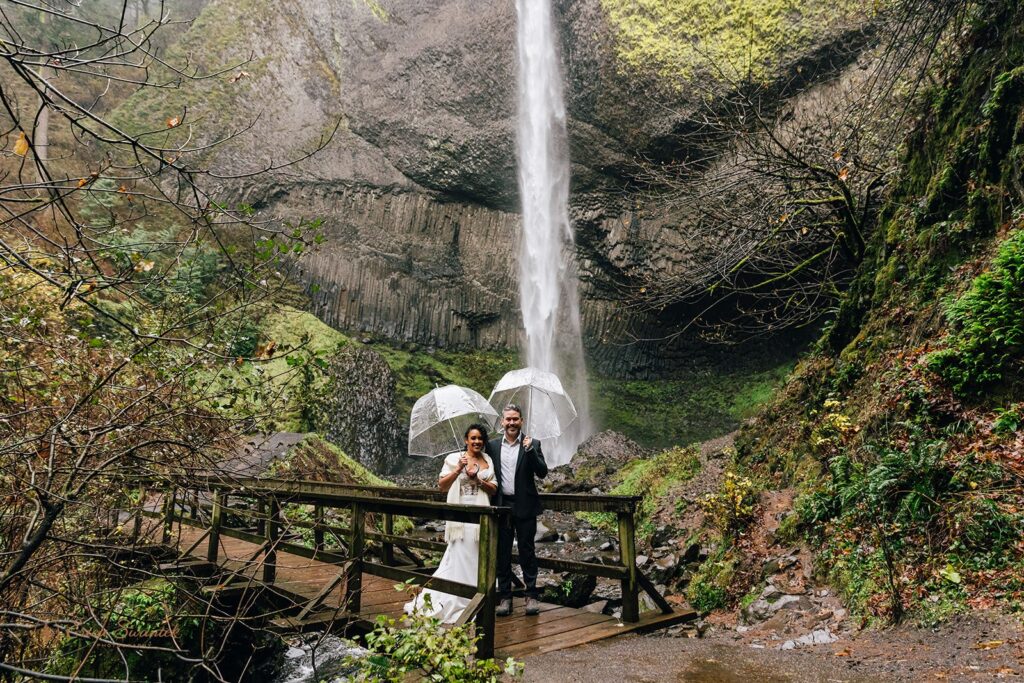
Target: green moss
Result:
[[709, 588], [650, 479], [742, 40], [417, 372], [692, 407], [274, 386]]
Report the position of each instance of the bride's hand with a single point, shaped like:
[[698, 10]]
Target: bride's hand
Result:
[[472, 471]]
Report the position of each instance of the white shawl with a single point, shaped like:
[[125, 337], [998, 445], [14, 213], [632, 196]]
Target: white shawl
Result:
[[454, 531]]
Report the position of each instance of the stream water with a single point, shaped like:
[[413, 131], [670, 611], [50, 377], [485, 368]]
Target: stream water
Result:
[[548, 275], [316, 658]]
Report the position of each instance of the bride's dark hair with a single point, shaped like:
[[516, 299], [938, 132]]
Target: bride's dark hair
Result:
[[478, 427]]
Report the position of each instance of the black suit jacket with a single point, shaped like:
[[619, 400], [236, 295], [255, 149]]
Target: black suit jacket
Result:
[[531, 464]]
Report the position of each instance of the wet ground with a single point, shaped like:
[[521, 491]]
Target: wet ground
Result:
[[970, 648]]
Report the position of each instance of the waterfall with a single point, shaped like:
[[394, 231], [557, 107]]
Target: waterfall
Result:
[[547, 260]]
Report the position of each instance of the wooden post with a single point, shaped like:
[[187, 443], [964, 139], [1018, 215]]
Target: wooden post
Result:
[[487, 573], [388, 549], [318, 527], [168, 522], [261, 517], [630, 587], [219, 502], [137, 523], [273, 534], [356, 548]]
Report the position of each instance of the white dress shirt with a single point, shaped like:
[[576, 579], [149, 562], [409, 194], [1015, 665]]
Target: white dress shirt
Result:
[[509, 460]]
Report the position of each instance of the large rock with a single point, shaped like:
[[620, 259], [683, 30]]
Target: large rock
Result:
[[358, 411], [595, 464]]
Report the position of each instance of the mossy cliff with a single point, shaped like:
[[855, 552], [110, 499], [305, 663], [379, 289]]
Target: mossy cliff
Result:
[[903, 431], [417, 186]]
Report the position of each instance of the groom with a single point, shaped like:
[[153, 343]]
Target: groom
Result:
[[516, 464]]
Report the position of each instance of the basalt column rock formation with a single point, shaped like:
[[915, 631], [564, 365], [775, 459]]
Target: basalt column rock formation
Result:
[[417, 186]]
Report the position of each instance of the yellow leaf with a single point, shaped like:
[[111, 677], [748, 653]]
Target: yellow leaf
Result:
[[783, 218], [173, 122], [144, 266], [83, 181], [239, 76], [837, 156], [844, 174], [989, 645], [21, 145]]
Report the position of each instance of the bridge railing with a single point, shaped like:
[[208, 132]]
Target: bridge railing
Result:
[[210, 503]]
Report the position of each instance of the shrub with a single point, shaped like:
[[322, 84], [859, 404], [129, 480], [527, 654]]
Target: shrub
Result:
[[420, 645], [733, 505]]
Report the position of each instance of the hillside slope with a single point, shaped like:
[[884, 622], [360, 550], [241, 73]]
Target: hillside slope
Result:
[[902, 431]]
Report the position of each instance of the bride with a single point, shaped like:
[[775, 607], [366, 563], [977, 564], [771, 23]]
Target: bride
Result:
[[469, 479]]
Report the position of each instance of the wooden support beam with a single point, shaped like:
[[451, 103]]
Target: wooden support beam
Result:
[[219, 501], [137, 522], [652, 591], [318, 527], [487, 572], [273, 528], [388, 548], [195, 544], [327, 620], [325, 591], [168, 514], [627, 543], [356, 548]]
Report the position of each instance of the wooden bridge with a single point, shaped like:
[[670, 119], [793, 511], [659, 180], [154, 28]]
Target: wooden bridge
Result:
[[329, 557]]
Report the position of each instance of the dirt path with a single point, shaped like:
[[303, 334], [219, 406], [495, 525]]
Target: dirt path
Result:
[[970, 648]]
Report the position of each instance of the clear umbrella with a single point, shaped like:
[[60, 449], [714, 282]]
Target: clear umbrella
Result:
[[440, 418], [547, 408]]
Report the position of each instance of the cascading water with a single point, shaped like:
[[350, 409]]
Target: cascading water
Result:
[[547, 261]]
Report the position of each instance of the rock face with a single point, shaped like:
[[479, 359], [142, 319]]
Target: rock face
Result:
[[359, 412], [596, 462], [417, 185]]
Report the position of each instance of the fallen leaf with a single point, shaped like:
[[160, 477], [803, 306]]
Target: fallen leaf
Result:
[[21, 145], [845, 173], [988, 644], [173, 122], [143, 266], [837, 156], [843, 653], [239, 76]]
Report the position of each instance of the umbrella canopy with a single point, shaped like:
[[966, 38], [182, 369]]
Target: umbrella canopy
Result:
[[547, 408], [440, 418]]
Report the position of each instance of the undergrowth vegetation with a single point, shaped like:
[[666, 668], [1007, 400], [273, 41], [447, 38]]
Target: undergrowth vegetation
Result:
[[902, 432]]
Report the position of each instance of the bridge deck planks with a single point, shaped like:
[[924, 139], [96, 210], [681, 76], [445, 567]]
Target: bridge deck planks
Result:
[[555, 628]]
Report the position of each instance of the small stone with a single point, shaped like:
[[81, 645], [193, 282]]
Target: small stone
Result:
[[788, 645], [606, 546], [641, 560]]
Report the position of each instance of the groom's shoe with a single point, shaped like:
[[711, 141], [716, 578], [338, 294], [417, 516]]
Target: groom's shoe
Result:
[[532, 607], [504, 607]]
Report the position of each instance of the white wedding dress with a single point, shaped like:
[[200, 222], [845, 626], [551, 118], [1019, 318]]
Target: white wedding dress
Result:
[[460, 559]]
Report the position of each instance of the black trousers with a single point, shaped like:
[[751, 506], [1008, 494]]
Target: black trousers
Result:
[[524, 530]]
